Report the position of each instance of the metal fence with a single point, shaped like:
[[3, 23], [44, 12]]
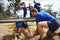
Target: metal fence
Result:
[[9, 20]]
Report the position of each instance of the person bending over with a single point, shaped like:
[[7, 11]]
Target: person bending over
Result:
[[20, 27], [45, 20]]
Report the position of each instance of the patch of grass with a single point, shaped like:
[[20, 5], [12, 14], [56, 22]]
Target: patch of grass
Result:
[[10, 27], [31, 23]]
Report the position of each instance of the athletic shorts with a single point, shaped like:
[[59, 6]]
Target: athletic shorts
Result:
[[25, 25], [21, 24], [53, 26]]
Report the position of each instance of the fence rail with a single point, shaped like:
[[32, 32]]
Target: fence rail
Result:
[[9, 20]]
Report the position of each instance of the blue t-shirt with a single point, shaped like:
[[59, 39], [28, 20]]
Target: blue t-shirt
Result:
[[36, 6], [44, 16], [25, 10], [30, 7]]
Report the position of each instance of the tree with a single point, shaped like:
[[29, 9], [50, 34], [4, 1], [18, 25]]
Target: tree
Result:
[[17, 6], [1, 8], [1, 11], [49, 8]]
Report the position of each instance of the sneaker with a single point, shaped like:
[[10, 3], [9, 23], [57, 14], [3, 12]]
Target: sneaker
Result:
[[19, 33], [17, 36], [14, 38]]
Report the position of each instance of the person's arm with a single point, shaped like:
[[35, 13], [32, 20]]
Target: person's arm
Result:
[[27, 7], [38, 18], [38, 4], [36, 32]]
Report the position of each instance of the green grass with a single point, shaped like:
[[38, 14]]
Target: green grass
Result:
[[31, 23]]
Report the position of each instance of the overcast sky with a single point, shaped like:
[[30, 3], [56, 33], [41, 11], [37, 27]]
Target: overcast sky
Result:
[[56, 3]]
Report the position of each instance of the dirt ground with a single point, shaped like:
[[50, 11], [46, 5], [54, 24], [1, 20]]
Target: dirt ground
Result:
[[6, 31]]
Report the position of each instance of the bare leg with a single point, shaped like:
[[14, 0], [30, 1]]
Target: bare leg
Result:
[[23, 31], [26, 31], [40, 26], [29, 32], [20, 30], [40, 30], [34, 34], [15, 31]]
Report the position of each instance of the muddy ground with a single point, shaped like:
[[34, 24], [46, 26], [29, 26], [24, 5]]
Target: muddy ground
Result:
[[6, 31]]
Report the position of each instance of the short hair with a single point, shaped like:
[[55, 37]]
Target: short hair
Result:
[[34, 10]]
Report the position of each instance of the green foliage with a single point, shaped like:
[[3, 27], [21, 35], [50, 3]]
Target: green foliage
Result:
[[49, 10]]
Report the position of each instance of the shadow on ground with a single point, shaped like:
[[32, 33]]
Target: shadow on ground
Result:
[[7, 37], [48, 38]]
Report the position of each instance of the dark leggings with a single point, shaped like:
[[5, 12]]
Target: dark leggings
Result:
[[24, 15]]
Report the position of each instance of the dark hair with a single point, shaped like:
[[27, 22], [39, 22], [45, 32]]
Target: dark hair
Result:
[[34, 10]]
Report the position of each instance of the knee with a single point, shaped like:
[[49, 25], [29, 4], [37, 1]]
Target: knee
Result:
[[48, 34], [39, 24], [16, 30], [22, 29]]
